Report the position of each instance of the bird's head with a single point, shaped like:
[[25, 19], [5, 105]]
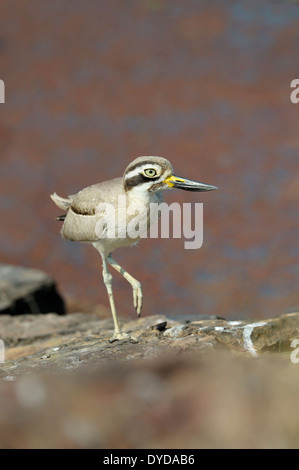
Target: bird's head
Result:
[[156, 173]]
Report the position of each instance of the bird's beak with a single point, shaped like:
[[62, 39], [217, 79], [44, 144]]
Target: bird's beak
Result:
[[188, 185]]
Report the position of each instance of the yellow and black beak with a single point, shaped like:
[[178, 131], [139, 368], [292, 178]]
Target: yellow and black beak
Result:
[[187, 185]]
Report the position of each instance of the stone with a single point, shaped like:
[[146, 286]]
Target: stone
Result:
[[254, 337], [79, 340], [200, 376], [176, 331], [27, 290]]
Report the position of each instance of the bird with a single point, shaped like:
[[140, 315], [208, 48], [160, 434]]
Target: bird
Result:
[[142, 182]]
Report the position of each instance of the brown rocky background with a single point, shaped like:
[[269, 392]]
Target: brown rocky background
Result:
[[90, 85]]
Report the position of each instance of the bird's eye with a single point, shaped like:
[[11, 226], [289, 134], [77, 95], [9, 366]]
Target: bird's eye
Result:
[[150, 172]]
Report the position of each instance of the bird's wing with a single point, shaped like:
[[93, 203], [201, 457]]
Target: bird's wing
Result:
[[86, 201], [85, 220]]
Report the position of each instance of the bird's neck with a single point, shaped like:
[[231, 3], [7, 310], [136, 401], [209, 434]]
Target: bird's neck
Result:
[[140, 196]]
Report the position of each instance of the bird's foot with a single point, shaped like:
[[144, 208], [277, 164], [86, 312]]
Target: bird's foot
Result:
[[138, 297], [122, 336]]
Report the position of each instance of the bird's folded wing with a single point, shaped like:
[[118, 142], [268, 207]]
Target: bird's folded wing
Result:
[[86, 201]]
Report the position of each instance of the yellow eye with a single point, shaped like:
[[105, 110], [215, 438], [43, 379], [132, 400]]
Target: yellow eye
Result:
[[150, 172]]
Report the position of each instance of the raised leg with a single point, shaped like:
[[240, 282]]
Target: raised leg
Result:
[[118, 333], [136, 285]]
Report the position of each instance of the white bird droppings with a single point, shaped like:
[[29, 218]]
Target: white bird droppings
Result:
[[247, 341]]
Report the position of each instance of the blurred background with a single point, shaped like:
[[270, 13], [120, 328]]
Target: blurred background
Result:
[[90, 85]]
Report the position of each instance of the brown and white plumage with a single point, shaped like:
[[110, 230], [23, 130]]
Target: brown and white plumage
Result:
[[142, 182]]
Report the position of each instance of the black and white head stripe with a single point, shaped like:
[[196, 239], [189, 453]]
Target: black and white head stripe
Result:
[[141, 168], [146, 171]]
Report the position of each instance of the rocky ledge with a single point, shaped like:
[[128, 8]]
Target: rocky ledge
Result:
[[181, 382], [197, 383], [24, 290], [34, 342]]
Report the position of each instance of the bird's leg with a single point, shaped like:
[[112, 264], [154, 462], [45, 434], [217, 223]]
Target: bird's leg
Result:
[[136, 285], [118, 333]]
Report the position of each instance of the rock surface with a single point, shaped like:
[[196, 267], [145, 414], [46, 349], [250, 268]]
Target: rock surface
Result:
[[67, 342], [26, 290], [202, 383]]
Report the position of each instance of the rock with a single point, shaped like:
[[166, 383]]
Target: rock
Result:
[[35, 341], [254, 337], [24, 290], [163, 401], [176, 331], [63, 381]]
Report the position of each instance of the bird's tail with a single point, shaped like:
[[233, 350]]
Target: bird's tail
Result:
[[61, 202]]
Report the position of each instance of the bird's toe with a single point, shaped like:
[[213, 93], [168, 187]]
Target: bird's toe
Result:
[[122, 336]]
